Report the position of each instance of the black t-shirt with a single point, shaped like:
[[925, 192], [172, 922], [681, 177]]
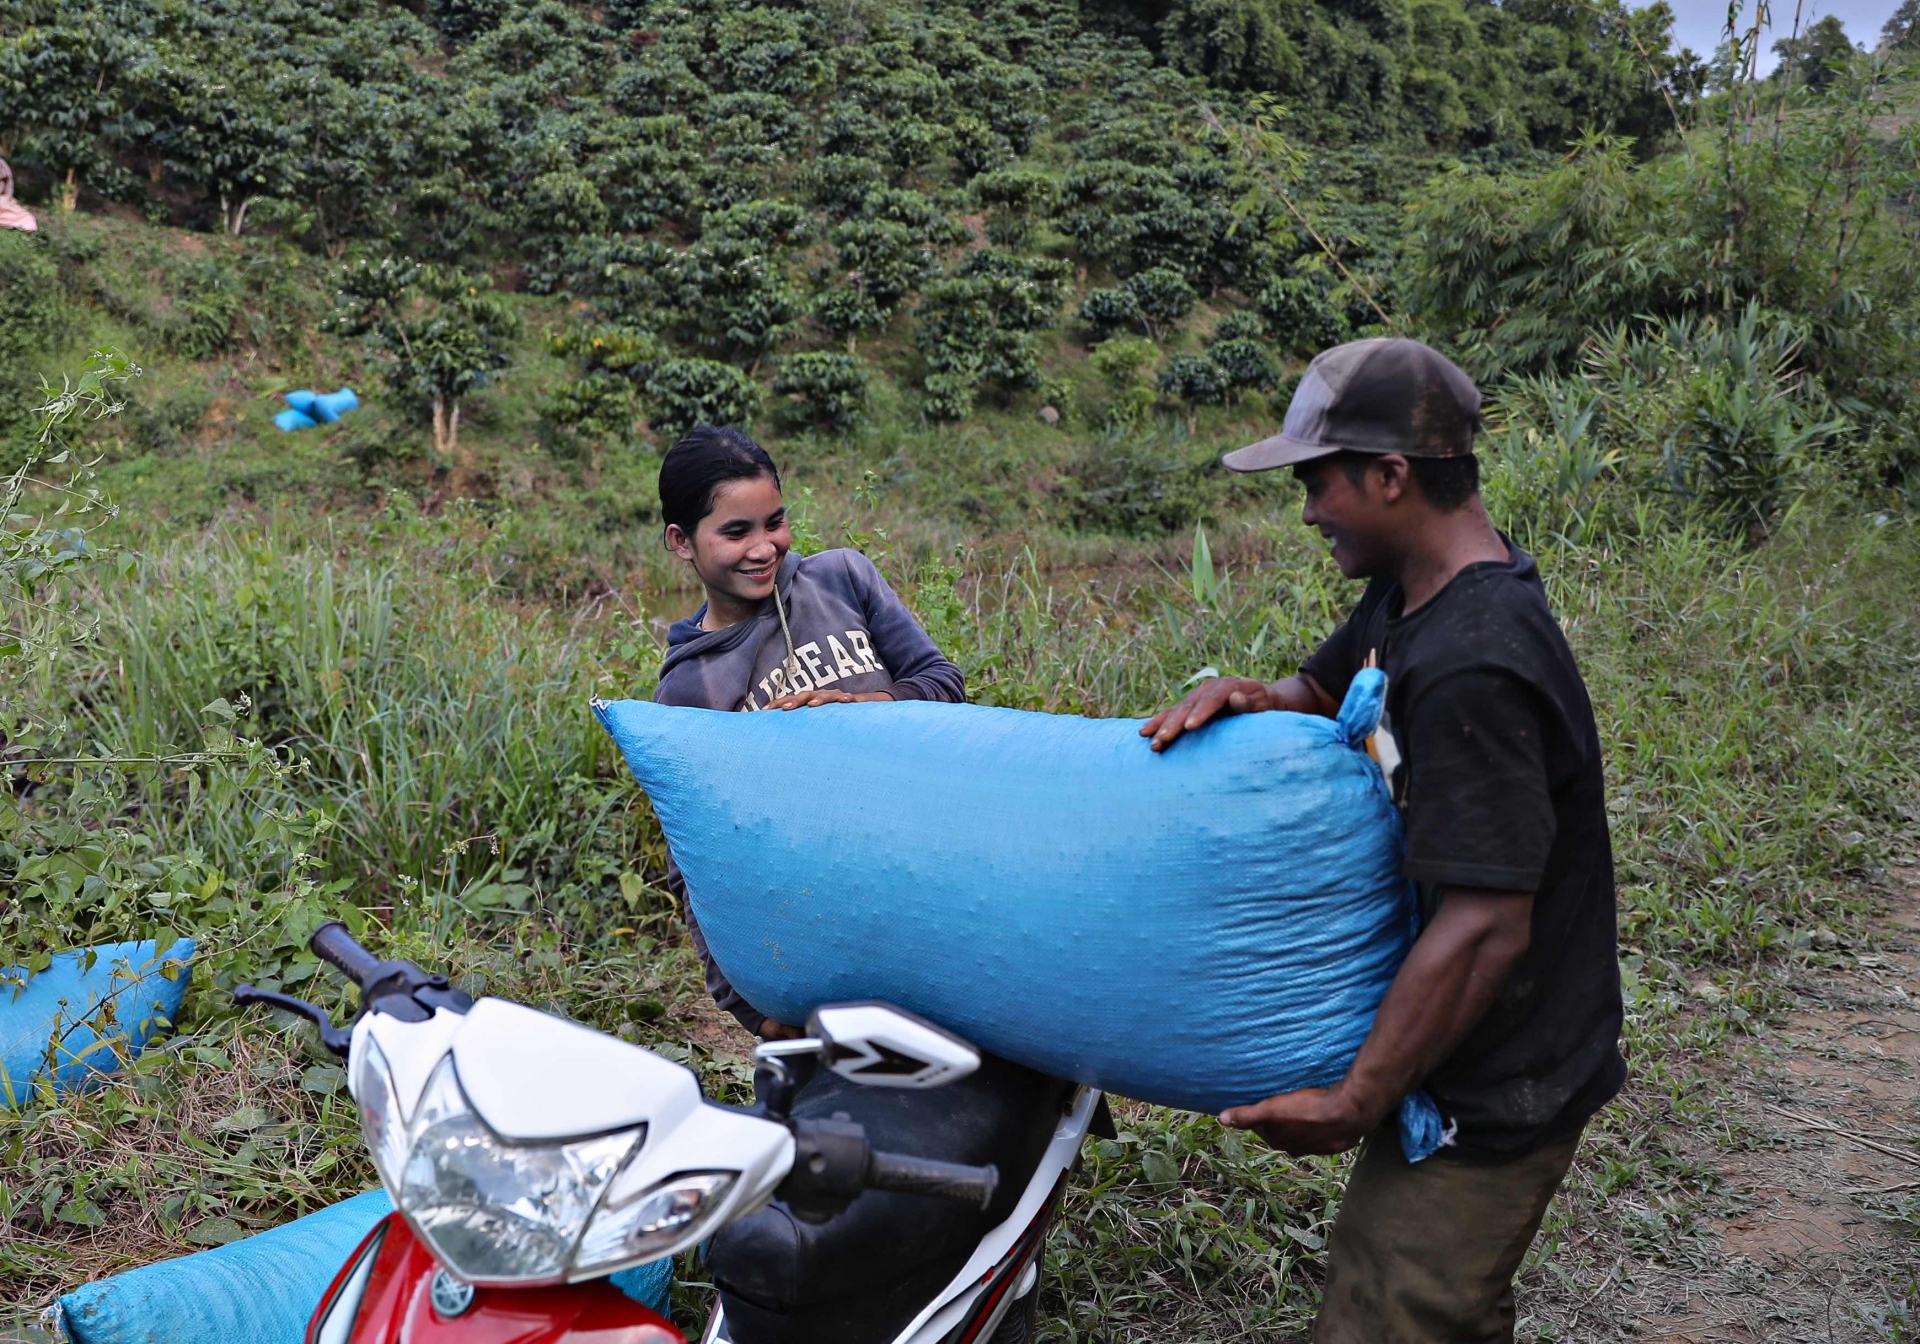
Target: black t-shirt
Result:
[[1501, 788]]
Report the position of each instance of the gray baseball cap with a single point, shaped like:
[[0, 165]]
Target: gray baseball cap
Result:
[[1384, 395]]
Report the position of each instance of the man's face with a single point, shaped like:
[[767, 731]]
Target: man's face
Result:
[[1356, 518]]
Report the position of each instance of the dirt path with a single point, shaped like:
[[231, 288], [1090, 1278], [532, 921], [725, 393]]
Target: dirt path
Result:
[[1813, 1223]]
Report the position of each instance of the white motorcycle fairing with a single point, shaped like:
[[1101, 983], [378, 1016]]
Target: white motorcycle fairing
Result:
[[537, 1082]]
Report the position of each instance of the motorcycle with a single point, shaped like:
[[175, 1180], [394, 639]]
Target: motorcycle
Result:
[[529, 1157]]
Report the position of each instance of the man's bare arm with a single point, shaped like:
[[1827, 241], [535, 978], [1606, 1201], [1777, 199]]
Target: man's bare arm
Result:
[[1444, 988], [1237, 695]]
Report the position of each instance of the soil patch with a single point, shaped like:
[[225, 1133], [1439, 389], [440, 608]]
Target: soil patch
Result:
[[1810, 1225]]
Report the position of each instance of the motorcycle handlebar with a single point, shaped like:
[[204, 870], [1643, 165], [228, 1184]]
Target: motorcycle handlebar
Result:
[[334, 945], [921, 1176]]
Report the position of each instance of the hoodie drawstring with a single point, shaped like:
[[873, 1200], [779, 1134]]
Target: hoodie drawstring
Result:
[[792, 663]]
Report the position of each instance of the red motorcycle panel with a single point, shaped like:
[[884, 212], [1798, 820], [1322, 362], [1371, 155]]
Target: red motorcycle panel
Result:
[[397, 1306]]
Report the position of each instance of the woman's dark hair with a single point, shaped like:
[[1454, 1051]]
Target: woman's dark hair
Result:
[[706, 458]]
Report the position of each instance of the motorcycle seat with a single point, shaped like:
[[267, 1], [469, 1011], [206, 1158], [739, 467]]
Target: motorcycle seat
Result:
[[861, 1276]]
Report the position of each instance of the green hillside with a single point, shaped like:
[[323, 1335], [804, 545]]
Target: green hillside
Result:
[[996, 284]]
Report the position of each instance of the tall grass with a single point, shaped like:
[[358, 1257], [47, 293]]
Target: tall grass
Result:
[[1754, 706]]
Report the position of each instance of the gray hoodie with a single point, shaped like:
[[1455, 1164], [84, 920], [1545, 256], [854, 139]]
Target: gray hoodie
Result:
[[836, 624]]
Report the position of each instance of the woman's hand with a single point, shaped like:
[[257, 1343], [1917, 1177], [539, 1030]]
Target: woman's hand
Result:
[[803, 699]]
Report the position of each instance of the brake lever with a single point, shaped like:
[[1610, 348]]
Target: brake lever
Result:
[[337, 1040]]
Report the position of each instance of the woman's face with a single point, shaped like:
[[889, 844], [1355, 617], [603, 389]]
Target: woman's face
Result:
[[737, 548]]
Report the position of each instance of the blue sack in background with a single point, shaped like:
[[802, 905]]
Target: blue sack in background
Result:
[[85, 1013], [260, 1290], [308, 409], [1201, 928], [330, 406]]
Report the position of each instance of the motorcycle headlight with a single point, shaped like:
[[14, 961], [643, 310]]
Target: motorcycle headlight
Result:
[[646, 1225], [491, 1211]]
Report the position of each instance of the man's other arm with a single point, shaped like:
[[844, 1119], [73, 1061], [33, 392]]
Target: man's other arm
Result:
[[1445, 986]]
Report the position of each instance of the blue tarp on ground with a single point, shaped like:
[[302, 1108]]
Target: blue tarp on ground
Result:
[[1200, 928], [262, 1290], [86, 1013]]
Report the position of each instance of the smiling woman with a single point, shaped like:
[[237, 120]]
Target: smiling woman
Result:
[[778, 630]]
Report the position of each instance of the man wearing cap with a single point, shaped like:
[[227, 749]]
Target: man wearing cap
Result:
[[1507, 1009]]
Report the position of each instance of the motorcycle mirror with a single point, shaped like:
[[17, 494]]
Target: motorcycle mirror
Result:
[[882, 1046]]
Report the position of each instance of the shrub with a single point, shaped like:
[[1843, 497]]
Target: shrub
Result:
[[207, 300], [1724, 408], [600, 405], [852, 130], [1014, 200], [950, 396], [839, 183], [1195, 379], [928, 220], [1517, 268], [1164, 297], [769, 223], [1123, 364], [628, 351], [974, 327], [912, 143], [1300, 315], [555, 209], [888, 258], [646, 170], [1123, 359], [724, 293], [687, 392], [846, 311], [978, 148], [30, 298], [1245, 363], [822, 389], [1106, 310], [1134, 485], [1238, 325]]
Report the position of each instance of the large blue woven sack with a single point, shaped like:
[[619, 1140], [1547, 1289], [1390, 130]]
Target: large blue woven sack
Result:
[[262, 1290], [86, 1012], [1200, 928]]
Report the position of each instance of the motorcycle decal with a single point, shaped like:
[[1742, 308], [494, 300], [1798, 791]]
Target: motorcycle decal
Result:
[[1007, 1271]]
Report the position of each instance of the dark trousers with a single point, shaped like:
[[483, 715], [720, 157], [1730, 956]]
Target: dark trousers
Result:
[[1425, 1252]]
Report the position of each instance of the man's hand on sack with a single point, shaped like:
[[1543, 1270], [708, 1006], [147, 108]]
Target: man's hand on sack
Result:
[[1458, 965], [1312, 1120], [778, 1031], [1236, 695], [802, 699]]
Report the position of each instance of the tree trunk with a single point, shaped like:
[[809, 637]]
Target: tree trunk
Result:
[[453, 426], [240, 216], [439, 427], [70, 191]]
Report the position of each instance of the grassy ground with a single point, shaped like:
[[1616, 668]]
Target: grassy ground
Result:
[[430, 658]]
